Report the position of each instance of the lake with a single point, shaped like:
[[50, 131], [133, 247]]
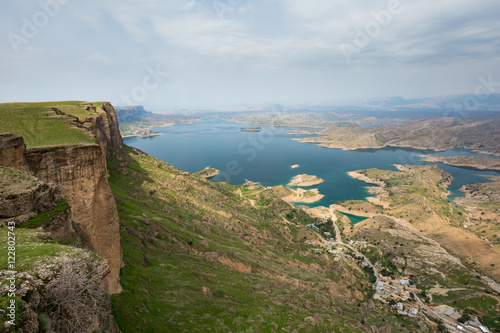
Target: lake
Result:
[[355, 218], [267, 157]]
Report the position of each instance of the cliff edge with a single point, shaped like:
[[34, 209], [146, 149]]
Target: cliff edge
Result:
[[79, 171]]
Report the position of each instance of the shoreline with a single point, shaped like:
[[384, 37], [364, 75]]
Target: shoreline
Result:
[[332, 145], [329, 145], [465, 161], [298, 196], [378, 190], [136, 132], [270, 125], [207, 173]]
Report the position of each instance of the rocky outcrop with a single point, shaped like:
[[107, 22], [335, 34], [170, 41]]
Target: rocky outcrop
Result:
[[63, 294], [21, 195], [12, 151], [80, 173], [105, 128]]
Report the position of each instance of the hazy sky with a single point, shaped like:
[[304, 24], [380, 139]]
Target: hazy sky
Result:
[[213, 53]]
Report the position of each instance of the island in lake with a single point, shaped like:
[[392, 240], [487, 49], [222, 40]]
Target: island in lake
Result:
[[295, 166], [251, 129], [305, 180]]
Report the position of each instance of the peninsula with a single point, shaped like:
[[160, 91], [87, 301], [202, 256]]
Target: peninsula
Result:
[[304, 196], [478, 162], [251, 129], [207, 173], [147, 134]]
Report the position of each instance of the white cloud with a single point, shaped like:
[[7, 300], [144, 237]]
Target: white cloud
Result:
[[253, 49]]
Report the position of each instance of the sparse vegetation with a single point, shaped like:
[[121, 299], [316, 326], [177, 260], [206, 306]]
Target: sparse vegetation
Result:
[[209, 259]]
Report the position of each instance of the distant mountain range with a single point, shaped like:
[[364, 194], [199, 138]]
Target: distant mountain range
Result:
[[134, 119], [465, 102], [130, 114]]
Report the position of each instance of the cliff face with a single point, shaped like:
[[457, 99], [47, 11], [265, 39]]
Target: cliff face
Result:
[[12, 151], [132, 113], [80, 172], [22, 195], [105, 128]]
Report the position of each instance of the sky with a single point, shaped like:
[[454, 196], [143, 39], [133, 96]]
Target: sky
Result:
[[200, 54]]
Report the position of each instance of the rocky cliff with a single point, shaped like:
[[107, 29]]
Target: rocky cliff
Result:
[[80, 173], [105, 128], [21, 195]]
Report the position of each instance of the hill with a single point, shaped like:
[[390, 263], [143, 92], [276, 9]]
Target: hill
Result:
[[134, 119], [437, 134], [202, 256], [57, 184]]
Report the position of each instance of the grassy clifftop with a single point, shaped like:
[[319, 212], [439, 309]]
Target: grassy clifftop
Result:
[[40, 125]]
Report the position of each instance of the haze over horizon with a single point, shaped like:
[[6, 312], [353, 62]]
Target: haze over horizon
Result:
[[217, 53]]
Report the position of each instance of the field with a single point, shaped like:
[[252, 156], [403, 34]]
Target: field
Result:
[[40, 126]]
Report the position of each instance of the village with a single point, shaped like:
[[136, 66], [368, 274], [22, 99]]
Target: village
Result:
[[403, 297], [397, 292]]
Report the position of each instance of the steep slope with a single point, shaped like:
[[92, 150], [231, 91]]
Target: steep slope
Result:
[[74, 160], [438, 244], [199, 257]]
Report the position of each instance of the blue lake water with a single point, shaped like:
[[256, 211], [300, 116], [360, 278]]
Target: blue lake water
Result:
[[355, 218], [267, 156]]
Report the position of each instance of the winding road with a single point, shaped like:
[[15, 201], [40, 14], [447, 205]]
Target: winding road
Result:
[[423, 306]]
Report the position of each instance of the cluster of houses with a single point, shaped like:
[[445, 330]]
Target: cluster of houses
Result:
[[472, 325], [405, 310], [467, 328], [326, 234], [360, 245], [399, 290], [491, 283], [396, 289]]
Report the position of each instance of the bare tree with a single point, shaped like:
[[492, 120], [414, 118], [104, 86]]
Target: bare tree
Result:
[[75, 300]]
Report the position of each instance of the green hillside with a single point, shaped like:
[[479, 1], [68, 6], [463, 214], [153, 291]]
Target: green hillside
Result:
[[41, 126], [199, 257]]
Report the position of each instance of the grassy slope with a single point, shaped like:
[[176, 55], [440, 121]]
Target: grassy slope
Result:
[[482, 200], [39, 126], [31, 247], [198, 258]]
